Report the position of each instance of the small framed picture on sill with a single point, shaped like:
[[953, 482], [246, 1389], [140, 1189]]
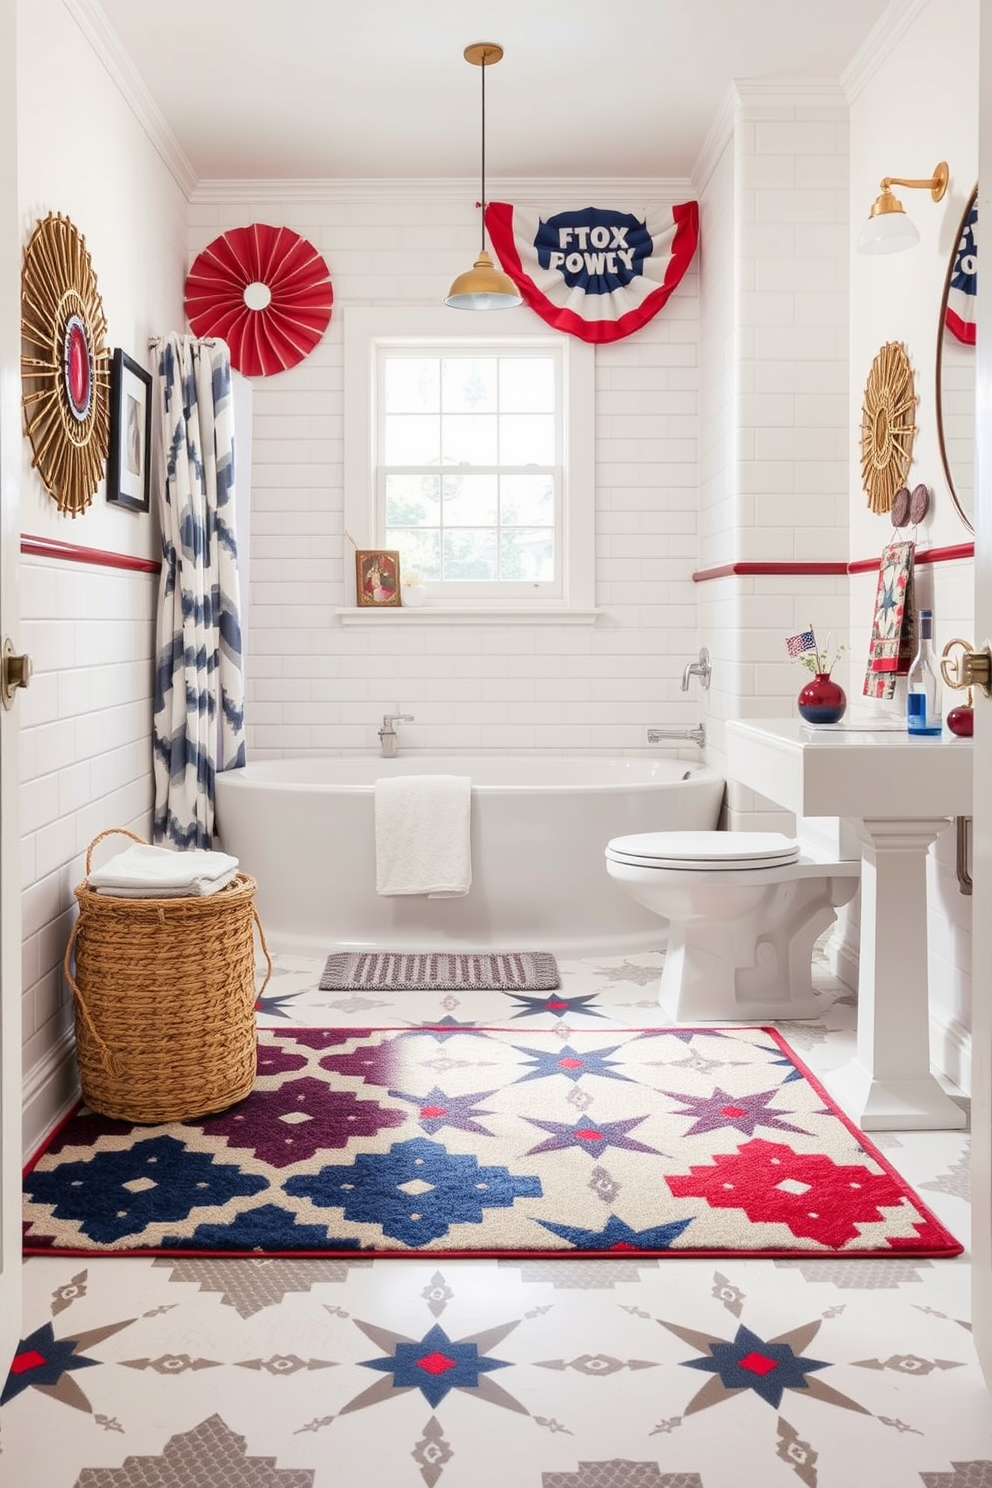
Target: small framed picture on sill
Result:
[[377, 577], [128, 467]]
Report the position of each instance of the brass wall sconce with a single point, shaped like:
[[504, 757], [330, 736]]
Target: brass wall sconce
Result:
[[888, 229], [483, 287]]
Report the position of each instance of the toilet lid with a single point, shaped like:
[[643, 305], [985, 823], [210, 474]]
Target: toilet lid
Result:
[[703, 849]]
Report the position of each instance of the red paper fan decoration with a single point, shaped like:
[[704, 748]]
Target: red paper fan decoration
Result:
[[265, 291]]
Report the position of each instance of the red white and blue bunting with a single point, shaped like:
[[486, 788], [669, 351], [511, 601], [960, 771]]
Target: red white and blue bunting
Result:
[[962, 292], [596, 273]]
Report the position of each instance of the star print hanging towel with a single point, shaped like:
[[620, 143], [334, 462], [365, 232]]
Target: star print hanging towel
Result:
[[893, 633]]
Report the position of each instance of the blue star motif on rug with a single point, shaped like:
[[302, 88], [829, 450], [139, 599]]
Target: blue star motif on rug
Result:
[[156, 1181], [616, 1235], [40, 1362], [436, 1365], [742, 1112], [749, 1363], [591, 1137], [437, 1109], [781, 1061], [568, 1062], [416, 1191], [553, 1002]]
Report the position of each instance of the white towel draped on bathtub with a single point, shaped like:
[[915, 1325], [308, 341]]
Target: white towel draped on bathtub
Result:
[[422, 835]]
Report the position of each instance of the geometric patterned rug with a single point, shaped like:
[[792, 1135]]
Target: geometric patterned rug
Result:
[[454, 1140]]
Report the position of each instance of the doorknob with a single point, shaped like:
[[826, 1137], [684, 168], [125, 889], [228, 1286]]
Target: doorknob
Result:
[[969, 669], [15, 672]]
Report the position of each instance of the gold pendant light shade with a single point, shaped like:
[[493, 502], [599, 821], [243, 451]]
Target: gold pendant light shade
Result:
[[483, 286]]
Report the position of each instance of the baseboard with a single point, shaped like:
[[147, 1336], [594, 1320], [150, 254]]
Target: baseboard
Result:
[[50, 1089], [950, 1049], [842, 958]]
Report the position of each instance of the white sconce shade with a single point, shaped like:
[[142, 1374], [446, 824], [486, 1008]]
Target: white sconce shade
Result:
[[888, 229]]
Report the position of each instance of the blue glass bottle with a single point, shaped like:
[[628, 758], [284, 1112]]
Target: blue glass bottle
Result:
[[923, 713]]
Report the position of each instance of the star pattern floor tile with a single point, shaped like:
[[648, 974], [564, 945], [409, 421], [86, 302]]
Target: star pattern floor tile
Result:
[[612, 1373]]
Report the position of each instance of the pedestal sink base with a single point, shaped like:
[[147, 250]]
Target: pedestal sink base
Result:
[[875, 1104]]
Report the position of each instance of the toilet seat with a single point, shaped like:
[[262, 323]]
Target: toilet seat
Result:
[[706, 852]]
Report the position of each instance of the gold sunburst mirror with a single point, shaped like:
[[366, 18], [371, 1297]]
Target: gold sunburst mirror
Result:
[[65, 365], [887, 427]]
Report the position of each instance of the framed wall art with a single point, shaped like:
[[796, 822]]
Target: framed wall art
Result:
[[130, 433], [377, 577]]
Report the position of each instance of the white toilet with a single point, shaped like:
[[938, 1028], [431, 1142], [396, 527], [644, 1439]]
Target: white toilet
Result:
[[744, 909]]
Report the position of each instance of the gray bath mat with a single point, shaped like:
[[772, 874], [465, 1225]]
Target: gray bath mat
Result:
[[440, 971]]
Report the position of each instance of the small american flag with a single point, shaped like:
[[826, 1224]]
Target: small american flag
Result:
[[804, 641]]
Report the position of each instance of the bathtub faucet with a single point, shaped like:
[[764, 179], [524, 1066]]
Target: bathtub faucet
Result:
[[695, 734], [701, 669], [387, 734]]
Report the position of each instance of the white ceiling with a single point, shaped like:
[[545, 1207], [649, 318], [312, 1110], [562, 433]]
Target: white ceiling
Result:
[[324, 89]]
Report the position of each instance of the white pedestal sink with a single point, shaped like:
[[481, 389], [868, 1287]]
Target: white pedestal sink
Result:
[[901, 792]]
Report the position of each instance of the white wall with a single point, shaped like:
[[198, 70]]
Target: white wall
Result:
[[86, 717], [773, 475], [316, 686], [916, 106]]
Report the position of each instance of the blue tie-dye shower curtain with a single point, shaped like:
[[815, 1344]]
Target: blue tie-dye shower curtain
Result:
[[199, 725]]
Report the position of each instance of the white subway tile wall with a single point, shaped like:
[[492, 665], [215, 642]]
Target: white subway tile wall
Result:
[[85, 762], [314, 685]]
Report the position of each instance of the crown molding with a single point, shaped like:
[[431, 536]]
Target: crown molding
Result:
[[718, 137], [93, 23], [608, 190], [747, 96], [789, 92], [881, 40]]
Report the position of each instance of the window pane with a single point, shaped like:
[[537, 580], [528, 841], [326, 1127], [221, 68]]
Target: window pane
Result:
[[468, 385], [527, 553], [470, 500], [412, 439], [418, 549], [468, 439], [527, 498], [411, 385], [414, 501], [469, 553], [527, 439], [526, 385]]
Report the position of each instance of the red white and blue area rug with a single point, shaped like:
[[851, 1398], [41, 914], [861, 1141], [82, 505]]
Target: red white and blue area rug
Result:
[[463, 1140]]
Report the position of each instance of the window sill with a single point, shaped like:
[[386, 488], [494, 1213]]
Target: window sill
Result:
[[465, 615]]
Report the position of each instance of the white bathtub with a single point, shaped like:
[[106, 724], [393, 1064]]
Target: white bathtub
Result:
[[305, 830]]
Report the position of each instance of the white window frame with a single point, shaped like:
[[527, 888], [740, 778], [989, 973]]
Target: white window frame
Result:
[[368, 329]]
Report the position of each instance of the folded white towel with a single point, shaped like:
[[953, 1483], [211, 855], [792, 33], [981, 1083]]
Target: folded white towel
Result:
[[196, 890], [154, 869], [422, 835]]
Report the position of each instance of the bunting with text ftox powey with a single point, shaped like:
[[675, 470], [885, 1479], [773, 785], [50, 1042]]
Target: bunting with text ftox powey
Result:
[[597, 273], [962, 289]]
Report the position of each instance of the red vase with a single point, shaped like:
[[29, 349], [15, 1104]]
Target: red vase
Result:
[[823, 700]]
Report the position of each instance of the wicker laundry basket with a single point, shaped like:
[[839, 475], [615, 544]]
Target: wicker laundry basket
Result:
[[164, 996]]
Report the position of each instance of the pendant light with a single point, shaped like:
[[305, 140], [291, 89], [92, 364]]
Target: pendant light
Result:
[[483, 287]]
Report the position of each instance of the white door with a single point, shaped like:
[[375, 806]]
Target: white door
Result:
[[10, 836], [981, 1060]]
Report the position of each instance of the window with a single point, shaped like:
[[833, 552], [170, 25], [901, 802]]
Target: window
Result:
[[469, 449]]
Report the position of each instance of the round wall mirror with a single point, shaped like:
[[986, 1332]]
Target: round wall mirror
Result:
[[955, 390]]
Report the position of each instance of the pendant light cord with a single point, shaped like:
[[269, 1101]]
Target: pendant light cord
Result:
[[483, 236]]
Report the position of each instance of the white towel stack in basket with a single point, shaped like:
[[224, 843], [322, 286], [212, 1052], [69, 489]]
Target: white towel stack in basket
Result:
[[146, 872]]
